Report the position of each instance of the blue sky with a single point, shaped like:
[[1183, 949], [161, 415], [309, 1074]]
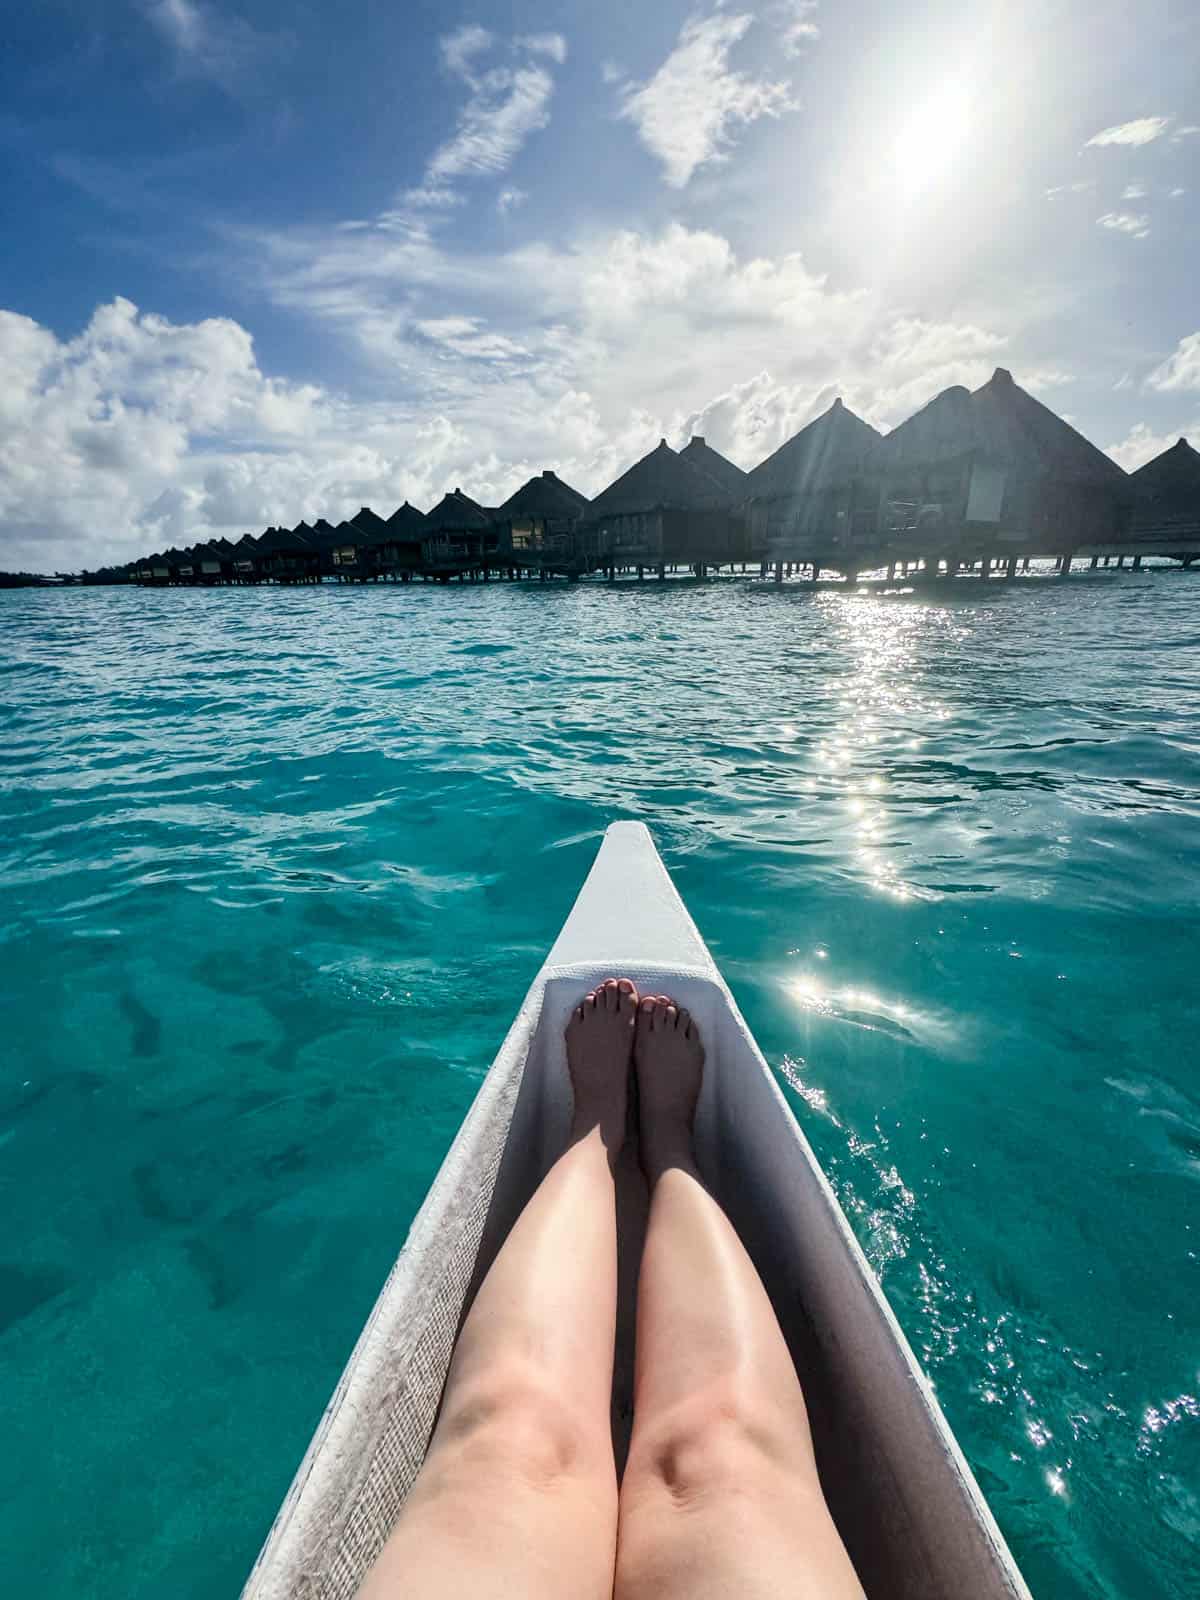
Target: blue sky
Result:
[[264, 262]]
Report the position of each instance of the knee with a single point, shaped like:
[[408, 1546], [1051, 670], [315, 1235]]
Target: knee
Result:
[[510, 1422], [714, 1444]]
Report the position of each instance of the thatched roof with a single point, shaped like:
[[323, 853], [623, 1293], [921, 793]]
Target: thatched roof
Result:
[[940, 431], [456, 512], [406, 522], [545, 495], [278, 540], [1001, 422], [1015, 425], [662, 480], [730, 476], [371, 528], [1171, 478], [830, 450]]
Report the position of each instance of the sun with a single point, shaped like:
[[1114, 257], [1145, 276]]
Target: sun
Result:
[[931, 137]]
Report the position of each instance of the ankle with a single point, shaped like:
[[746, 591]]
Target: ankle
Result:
[[667, 1149], [608, 1121]]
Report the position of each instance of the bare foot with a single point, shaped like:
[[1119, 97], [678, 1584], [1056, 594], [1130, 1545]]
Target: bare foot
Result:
[[599, 1049], [670, 1061]]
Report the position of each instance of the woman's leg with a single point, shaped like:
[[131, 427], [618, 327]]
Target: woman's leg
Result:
[[720, 1495], [518, 1495]]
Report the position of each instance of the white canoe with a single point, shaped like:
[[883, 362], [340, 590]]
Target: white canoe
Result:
[[908, 1508]]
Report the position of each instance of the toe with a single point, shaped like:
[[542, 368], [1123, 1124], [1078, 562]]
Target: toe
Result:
[[683, 1023], [627, 996], [589, 1000]]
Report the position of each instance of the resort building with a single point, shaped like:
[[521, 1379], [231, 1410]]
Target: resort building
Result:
[[538, 525], [1167, 508], [811, 500], [398, 551], [664, 511], [995, 474], [458, 536]]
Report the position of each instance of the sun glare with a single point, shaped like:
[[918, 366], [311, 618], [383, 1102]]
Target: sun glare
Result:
[[931, 136]]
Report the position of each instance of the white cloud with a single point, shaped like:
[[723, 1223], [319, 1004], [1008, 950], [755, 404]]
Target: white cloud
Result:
[[1181, 369], [432, 197], [1175, 193], [509, 199], [751, 419], [1134, 191], [687, 113], [1135, 224], [797, 28], [505, 109], [208, 45], [99, 428], [1142, 130], [468, 336], [1082, 186], [1187, 131], [544, 44], [459, 49], [505, 106]]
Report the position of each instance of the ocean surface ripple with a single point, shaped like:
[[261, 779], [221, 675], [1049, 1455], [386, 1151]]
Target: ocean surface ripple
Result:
[[278, 866]]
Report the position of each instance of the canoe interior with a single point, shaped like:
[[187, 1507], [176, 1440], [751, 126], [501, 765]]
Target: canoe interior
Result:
[[901, 1493]]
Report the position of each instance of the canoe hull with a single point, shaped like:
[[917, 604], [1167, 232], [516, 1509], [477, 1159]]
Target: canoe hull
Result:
[[906, 1504]]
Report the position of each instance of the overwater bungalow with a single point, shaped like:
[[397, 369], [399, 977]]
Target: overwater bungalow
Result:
[[458, 536], [398, 550], [216, 561], [354, 549], [537, 525], [810, 500], [1167, 509], [995, 474], [288, 556], [244, 559], [663, 511]]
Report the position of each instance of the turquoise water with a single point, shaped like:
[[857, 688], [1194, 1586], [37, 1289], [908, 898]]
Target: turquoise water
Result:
[[277, 867]]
